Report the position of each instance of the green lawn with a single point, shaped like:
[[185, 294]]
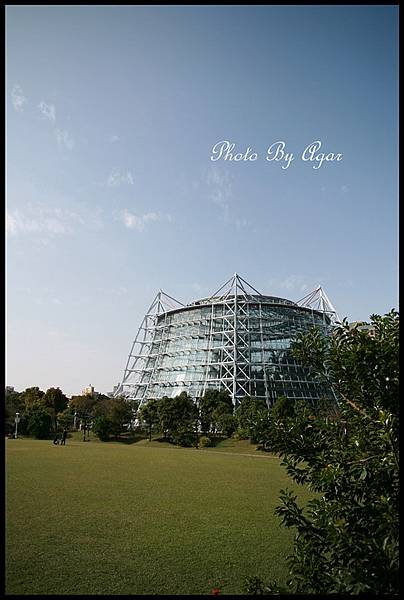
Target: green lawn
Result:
[[113, 518]]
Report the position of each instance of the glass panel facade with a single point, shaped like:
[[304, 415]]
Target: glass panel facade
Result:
[[240, 343]]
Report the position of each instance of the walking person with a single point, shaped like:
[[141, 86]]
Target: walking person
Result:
[[64, 436]]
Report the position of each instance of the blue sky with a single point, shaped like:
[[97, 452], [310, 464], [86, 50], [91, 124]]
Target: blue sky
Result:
[[112, 113]]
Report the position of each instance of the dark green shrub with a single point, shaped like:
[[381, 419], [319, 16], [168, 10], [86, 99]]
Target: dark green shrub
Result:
[[184, 438], [39, 424], [227, 424], [103, 428]]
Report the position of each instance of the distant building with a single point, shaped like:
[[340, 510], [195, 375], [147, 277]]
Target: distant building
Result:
[[362, 326], [112, 394], [89, 391]]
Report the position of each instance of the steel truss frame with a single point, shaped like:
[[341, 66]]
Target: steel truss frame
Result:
[[139, 354], [224, 344], [318, 300]]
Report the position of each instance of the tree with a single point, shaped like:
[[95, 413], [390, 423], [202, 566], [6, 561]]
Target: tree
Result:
[[30, 397], [177, 415], [211, 401], [225, 423], [83, 406], [149, 413], [165, 412], [29, 401], [65, 418], [54, 401], [13, 404], [102, 427], [185, 412], [134, 407], [39, 423], [117, 411], [347, 538], [120, 413], [283, 407], [250, 413]]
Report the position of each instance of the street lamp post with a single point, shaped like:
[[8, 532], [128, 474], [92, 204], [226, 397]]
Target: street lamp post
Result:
[[197, 423], [86, 428], [17, 420]]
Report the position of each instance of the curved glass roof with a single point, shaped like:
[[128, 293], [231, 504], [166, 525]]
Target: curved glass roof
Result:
[[249, 297]]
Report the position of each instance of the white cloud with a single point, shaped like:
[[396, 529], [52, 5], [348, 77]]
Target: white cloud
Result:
[[18, 98], [113, 139], [16, 223], [11, 225], [113, 291], [46, 300], [139, 223], [240, 223], [63, 137], [132, 221], [64, 140], [292, 283], [152, 217], [220, 188], [48, 111], [117, 178], [220, 192], [41, 219], [120, 291], [94, 218]]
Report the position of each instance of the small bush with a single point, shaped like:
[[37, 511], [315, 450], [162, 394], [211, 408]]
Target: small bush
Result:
[[242, 433], [184, 438], [205, 441]]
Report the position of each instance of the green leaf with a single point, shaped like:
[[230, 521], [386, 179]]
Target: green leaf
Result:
[[363, 474]]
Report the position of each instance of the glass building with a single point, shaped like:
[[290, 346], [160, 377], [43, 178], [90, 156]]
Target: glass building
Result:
[[237, 339]]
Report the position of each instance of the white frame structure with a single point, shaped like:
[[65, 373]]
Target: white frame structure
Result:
[[318, 300], [214, 343]]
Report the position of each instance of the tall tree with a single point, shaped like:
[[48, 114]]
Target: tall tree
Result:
[[111, 415], [177, 414], [54, 401], [214, 400], [347, 538], [83, 406], [185, 412], [39, 423], [120, 413], [149, 413], [65, 418], [30, 397], [250, 413], [166, 415]]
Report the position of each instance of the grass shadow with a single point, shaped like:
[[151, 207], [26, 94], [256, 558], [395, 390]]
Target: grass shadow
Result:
[[129, 438]]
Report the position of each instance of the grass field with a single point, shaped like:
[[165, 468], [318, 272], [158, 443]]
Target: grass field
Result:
[[112, 518]]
